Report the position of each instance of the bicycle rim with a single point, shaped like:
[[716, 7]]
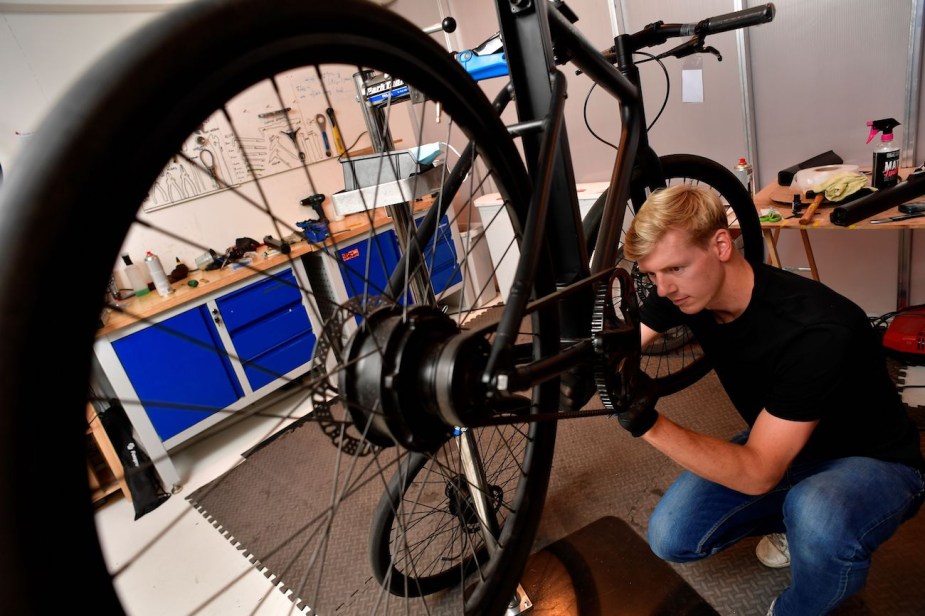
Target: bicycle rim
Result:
[[675, 360], [426, 527], [197, 74]]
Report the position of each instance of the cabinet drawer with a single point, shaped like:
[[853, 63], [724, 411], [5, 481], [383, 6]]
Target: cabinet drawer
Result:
[[271, 331], [259, 299], [180, 371], [367, 264], [440, 257], [278, 361]]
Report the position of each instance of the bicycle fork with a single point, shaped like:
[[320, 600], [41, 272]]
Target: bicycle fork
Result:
[[479, 491]]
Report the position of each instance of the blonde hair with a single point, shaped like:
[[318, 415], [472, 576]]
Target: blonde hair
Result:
[[692, 209]]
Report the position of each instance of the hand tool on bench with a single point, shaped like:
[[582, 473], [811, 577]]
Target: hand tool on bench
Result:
[[805, 180], [840, 187], [324, 135], [335, 131]]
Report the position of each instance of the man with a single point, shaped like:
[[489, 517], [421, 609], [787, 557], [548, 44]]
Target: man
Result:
[[830, 464]]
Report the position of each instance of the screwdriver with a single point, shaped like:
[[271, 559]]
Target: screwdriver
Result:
[[897, 218]]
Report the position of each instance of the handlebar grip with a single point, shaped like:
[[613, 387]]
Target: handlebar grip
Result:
[[738, 19]]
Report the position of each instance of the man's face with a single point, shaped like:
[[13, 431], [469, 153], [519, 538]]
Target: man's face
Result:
[[686, 273]]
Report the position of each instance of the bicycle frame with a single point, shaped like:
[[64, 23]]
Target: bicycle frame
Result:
[[528, 34], [534, 33], [552, 216]]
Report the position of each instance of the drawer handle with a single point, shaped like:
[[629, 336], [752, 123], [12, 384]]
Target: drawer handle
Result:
[[216, 316]]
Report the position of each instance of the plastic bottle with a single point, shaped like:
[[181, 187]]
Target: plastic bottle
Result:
[[744, 172], [157, 273], [136, 277], [885, 166], [112, 289]]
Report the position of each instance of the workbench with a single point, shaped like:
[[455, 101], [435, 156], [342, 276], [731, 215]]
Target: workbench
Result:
[[181, 364], [774, 195]]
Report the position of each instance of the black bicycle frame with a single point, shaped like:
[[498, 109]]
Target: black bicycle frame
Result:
[[527, 29], [551, 219]]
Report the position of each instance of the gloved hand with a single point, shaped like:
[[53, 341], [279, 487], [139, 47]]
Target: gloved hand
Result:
[[640, 415]]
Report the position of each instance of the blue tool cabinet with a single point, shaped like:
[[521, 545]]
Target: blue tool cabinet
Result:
[[375, 257], [179, 370], [269, 328], [192, 366]]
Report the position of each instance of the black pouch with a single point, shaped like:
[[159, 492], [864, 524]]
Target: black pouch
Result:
[[140, 475]]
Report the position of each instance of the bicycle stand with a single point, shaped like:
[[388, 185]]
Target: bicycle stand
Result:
[[606, 568], [520, 603]]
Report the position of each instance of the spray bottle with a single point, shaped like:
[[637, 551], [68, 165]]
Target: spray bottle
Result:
[[157, 274], [885, 168], [744, 171]]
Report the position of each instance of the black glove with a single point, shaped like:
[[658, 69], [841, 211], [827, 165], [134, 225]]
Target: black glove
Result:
[[639, 415]]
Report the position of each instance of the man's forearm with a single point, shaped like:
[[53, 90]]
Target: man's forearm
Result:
[[725, 463]]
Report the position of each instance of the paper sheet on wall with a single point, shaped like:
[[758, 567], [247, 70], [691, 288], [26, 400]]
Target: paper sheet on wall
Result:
[[692, 80], [692, 86]]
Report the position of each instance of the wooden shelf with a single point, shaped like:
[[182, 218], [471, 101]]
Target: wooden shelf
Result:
[[103, 465]]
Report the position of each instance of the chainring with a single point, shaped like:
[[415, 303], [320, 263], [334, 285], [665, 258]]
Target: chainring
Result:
[[615, 364]]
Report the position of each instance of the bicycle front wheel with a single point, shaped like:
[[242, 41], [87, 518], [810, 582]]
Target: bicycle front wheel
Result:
[[427, 527], [209, 127]]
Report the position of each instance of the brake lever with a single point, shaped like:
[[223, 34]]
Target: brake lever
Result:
[[689, 47], [712, 50]]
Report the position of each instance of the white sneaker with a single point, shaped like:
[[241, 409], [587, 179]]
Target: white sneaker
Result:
[[773, 551], [771, 608]]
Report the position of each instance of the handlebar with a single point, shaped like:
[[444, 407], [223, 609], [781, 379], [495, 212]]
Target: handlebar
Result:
[[738, 19], [658, 32]]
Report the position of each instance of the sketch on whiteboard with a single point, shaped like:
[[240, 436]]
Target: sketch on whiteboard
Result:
[[272, 129]]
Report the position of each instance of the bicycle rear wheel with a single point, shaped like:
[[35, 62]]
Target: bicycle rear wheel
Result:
[[675, 360], [244, 83]]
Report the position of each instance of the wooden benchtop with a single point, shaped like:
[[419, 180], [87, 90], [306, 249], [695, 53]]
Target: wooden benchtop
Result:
[[780, 197], [151, 304]]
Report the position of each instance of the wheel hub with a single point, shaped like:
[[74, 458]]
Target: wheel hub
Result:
[[461, 504], [389, 379]]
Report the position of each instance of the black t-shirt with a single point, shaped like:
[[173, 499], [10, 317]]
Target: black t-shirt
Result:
[[804, 353]]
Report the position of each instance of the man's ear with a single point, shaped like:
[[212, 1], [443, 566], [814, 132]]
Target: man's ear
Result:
[[723, 244]]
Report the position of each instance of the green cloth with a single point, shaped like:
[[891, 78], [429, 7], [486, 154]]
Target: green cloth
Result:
[[840, 186]]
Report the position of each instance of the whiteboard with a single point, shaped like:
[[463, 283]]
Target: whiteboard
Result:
[[268, 129]]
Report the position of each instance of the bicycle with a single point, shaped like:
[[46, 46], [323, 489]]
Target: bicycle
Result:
[[472, 402]]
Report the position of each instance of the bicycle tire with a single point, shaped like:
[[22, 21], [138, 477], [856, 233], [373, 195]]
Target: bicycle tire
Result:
[[172, 75], [440, 533], [675, 361]]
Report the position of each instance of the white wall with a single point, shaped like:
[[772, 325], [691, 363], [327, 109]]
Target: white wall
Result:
[[46, 47], [820, 70], [44, 51]]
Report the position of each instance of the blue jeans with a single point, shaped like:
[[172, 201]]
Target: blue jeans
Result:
[[835, 514]]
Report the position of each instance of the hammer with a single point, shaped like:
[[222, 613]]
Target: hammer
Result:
[[841, 187]]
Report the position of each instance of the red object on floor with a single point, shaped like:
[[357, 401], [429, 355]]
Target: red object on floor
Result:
[[906, 335]]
